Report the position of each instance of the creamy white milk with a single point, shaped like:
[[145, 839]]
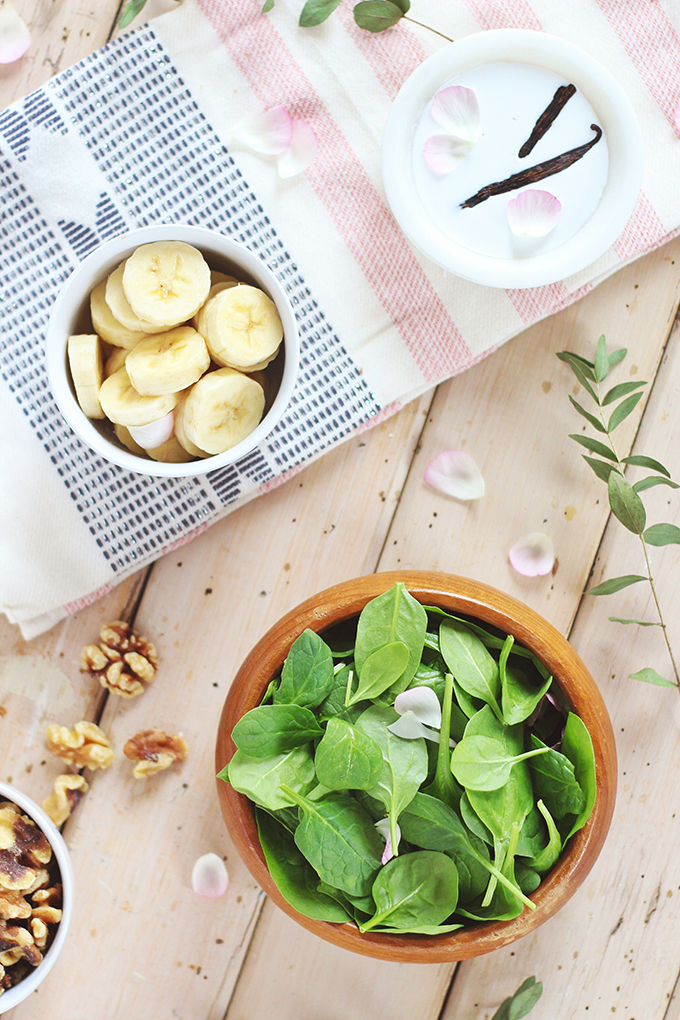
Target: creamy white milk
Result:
[[511, 97]]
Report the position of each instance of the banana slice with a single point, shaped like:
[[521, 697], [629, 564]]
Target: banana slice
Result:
[[180, 434], [87, 371], [167, 362], [220, 410], [217, 277], [123, 405], [155, 434], [115, 360], [106, 325], [126, 439], [120, 306], [242, 327], [171, 452], [217, 286], [166, 282]]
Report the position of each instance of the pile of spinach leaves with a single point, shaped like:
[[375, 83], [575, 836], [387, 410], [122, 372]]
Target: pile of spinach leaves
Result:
[[472, 831]]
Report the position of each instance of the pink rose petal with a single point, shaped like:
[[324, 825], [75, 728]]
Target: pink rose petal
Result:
[[443, 153], [300, 153], [455, 473], [269, 132], [209, 876], [456, 109], [533, 212], [533, 555], [383, 827], [14, 35], [409, 727], [424, 704], [155, 433]]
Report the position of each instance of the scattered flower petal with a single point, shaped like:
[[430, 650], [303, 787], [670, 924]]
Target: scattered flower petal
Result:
[[423, 703], [534, 555], [409, 727], [533, 212], [443, 153], [155, 433], [455, 473], [383, 827], [269, 133], [456, 109], [14, 35], [300, 153], [209, 876]]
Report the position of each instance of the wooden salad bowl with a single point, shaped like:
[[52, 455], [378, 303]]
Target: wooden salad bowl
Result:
[[492, 607]]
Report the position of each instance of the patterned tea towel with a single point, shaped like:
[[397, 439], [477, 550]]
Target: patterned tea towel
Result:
[[137, 133]]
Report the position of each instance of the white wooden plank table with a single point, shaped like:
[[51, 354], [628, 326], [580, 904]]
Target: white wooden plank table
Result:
[[142, 944]]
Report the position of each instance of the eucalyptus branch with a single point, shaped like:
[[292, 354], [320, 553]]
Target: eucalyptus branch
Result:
[[624, 498], [522, 1002]]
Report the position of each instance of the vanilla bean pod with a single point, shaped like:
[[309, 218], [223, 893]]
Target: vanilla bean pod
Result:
[[534, 173], [557, 104]]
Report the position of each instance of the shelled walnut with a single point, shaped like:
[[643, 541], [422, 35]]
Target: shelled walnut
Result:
[[68, 789], [123, 661], [154, 750], [86, 745]]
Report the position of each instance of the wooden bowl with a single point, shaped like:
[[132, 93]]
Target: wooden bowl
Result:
[[490, 606]]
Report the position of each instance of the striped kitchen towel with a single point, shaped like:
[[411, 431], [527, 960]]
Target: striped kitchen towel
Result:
[[142, 126]]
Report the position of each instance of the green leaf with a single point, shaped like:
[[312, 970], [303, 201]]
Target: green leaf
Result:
[[260, 779], [380, 671], [586, 367], [650, 676], [403, 5], [626, 505], [420, 888], [347, 758], [588, 416], [652, 480], [554, 781], [616, 392], [316, 11], [616, 356], [481, 763], [581, 374], [662, 534], [519, 698], [623, 410], [472, 666], [377, 15], [267, 6], [640, 623], [130, 12], [600, 468], [577, 746], [271, 729], [393, 616], [601, 360], [616, 584], [307, 675], [543, 861], [521, 1003], [595, 446]]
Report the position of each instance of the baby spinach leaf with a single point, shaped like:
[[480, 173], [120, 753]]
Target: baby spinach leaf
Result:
[[533, 836], [547, 857], [271, 729], [555, 781], [261, 778], [307, 674], [500, 809], [334, 702], [527, 879], [423, 929], [472, 821], [443, 784], [468, 706], [481, 763], [473, 667], [420, 888], [578, 748], [518, 697], [404, 764], [339, 840], [294, 877], [392, 616], [271, 688], [380, 670], [347, 758]]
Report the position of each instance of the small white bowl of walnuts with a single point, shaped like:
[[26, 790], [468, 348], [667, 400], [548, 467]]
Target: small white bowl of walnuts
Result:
[[36, 896], [172, 350]]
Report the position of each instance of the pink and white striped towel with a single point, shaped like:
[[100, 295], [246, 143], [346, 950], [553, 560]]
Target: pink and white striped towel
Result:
[[143, 126]]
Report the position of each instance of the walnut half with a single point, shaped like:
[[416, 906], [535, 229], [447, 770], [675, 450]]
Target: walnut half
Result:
[[123, 661], [68, 789], [86, 746], [154, 750]]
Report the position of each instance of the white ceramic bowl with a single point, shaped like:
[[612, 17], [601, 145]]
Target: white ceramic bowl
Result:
[[70, 315], [616, 117], [17, 993]]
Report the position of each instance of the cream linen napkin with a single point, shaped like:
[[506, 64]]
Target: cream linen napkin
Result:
[[137, 133]]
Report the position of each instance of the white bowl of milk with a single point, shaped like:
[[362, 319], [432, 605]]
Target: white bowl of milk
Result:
[[585, 151]]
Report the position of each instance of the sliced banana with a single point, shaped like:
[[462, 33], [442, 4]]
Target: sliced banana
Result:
[[217, 277], [155, 434], [106, 325], [171, 452], [167, 362], [123, 405], [241, 326], [220, 410], [166, 282], [217, 286], [180, 434], [126, 439], [87, 371], [115, 360], [120, 306]]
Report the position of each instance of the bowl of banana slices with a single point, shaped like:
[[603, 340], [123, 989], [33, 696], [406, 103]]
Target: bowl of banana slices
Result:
[[172, 350]]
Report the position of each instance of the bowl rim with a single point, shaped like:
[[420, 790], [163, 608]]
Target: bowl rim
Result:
[[619, 123], [460, 594], [93, 268], [17, 993]]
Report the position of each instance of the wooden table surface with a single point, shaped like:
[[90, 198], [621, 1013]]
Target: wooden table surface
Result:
[[142, 944]]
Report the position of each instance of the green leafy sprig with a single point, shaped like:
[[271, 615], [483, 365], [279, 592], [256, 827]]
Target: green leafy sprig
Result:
[[624, 498], [522, 1002], [371, 15]]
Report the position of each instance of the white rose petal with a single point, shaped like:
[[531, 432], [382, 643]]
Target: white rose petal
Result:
[[455, 473], [533, 555], [209, 876]]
